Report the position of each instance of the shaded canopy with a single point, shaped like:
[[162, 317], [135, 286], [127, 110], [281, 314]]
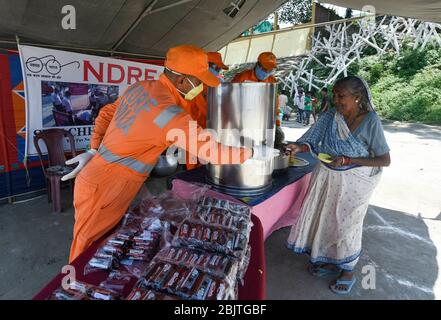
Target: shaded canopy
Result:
[[147, 27], [150, 27]]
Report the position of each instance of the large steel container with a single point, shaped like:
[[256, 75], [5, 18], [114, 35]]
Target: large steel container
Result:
[[247, 110]]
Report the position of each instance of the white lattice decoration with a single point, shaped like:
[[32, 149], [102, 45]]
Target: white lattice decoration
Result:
[[345, 45]]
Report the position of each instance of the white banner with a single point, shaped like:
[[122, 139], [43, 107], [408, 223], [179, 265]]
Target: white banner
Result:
[[67, 90]]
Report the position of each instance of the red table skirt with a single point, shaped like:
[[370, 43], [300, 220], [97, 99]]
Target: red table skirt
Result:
[[254, 282]]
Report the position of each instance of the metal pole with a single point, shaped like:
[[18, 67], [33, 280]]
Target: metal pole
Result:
[[134, 25], [149, 10]]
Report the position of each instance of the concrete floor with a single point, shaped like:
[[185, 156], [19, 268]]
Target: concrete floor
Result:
[[402, 232]]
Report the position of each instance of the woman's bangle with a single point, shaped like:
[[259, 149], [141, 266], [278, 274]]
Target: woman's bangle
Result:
[[304, 148], [346, 161]]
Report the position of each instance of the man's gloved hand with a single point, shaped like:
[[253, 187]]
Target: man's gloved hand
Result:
[[264, 153], [82, 160]]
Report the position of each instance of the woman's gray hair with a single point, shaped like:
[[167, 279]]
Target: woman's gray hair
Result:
[[358, 86]]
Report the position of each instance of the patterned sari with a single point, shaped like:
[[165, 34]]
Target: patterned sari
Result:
[[330, 223]]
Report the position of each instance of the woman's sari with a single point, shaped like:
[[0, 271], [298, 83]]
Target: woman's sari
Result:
[[330, 224]]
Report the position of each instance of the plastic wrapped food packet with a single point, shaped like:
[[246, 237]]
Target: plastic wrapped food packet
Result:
[[217, 212], [137, 294], [76, 291], [98, 293], [201, 287], [232, 207], [83, 291], [149, 207], [174, 218], [135, 267], [223, 204], [164, 297], [240, 242], [184, 230], [176, 279], [185, 282], [217, 265], [239, 209], [116, 281], [129, 219], [61, 294], [127, 249], [108, 255], [149, 294], [220, 290], [227, 268], [153, 224], [186, 287], [204, 236], [166, 207], [243, 267], [157, 275], [99, 264], [212, 288]]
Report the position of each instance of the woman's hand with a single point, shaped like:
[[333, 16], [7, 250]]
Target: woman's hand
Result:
[[337, 162], [340, 161]]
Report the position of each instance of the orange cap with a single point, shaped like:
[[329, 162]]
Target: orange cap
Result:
[[267, 60], [193, 61], [216, 58]]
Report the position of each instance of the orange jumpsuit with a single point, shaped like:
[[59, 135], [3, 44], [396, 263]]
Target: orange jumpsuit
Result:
[[250, 76], [130, 135], [198, 112]]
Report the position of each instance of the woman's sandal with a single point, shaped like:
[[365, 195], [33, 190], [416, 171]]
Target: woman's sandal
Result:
[[318, 271], [339, 282]]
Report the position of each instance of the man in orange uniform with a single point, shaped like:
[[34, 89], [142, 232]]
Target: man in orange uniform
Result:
[[131, 134], [262, 72], [198, 106]]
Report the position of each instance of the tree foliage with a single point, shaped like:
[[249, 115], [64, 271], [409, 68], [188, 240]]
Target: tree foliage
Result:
[[296, 11], [405, 87]]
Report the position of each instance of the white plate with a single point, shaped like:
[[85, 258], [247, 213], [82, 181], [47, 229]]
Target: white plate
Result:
[[299, 162]]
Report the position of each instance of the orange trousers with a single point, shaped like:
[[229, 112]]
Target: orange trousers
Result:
[[102, 196]]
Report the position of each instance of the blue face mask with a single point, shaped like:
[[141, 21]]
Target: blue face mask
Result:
[[260, 74], [214, 71]]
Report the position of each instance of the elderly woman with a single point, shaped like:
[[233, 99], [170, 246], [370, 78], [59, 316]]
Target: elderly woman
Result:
[[330, 225]]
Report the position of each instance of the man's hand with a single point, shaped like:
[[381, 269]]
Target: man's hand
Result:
[[82, 160], [293, 149], [264, 153]]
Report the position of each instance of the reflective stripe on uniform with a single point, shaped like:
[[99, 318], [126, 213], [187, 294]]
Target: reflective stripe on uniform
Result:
[[166, 115], [138, 166]]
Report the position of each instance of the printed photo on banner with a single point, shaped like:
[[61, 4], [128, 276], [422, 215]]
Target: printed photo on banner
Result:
[[74, 104]]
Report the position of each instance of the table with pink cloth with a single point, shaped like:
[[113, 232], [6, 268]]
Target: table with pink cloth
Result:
[[277, 208]]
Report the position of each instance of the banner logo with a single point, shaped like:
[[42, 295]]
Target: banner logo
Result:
[[52, 65]]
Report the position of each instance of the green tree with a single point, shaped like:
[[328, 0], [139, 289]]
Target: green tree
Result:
[[296, 11]]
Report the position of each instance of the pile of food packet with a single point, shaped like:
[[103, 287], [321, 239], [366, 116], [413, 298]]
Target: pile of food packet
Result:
[[171, 249], [127, 249], [207, 258]]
